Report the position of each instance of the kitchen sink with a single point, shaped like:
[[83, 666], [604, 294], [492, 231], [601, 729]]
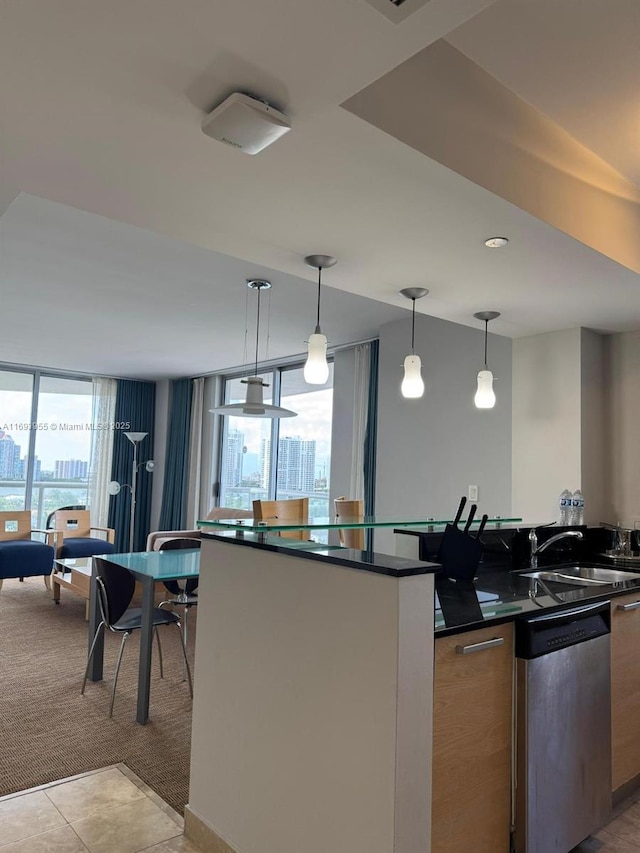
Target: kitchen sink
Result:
[[582, 575]]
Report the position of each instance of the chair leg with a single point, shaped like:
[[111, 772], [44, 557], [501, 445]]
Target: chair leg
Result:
[[157, 633], [186, 660], [1, 582], [184, 636], [93, 645], [47, 581], [115, 678]]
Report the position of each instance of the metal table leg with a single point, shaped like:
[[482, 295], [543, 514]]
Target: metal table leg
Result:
[[146, 639], [95, 670]]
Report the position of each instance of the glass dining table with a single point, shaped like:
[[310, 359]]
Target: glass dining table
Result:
[[148, 568]]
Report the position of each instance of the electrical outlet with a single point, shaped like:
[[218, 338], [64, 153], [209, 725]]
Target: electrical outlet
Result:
[[473, 493]]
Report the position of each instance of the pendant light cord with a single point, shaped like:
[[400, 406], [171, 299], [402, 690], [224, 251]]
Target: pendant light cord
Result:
[[413, 326], [257, 331], [318, 313], [486, 332]]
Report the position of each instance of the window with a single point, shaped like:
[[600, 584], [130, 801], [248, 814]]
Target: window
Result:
[[16, 403], [250, 471], [61, 456], [45, 442]]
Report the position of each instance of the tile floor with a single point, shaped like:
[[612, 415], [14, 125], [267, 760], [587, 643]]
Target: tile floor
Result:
[[620, 835], [104, 811]]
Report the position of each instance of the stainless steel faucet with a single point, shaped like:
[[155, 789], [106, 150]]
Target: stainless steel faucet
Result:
[[535, 549]]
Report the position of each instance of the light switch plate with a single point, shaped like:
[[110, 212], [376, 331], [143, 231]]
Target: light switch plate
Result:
[[473, 493]]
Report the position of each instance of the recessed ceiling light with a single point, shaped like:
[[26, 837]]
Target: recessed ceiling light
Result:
[[496, 242]]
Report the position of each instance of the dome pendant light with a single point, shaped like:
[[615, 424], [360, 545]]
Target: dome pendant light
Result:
[[485, 397], [412, 385], [316, 369], [254, 405]]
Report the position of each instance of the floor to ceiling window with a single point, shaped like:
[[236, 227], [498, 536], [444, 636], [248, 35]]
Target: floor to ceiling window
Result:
[[62, 446], [300, 467], [45, 442], [16, 409]]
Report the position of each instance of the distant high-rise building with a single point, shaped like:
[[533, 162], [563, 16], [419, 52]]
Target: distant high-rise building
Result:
[[265, 462], [234, 452], [71, 469], [9, 458], [296, 464]]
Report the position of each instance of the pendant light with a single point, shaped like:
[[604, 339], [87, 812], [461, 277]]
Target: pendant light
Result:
[[316, 369], [485, 397], [412, 384], [254, 406]]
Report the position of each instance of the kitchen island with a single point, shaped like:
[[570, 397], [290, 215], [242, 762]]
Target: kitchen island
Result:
[[313, 700], [315, 688]]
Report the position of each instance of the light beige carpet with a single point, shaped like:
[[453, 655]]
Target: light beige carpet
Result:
[[48, 731]]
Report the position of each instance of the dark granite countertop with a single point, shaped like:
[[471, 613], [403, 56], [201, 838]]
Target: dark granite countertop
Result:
[[502, 596], [366, 561]]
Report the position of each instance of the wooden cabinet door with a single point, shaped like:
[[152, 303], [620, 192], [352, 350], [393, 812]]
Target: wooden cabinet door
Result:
[[472, 738], [625, 688]]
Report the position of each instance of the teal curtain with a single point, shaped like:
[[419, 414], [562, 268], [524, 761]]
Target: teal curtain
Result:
[[173, 514], [135, 408], [371, 439]]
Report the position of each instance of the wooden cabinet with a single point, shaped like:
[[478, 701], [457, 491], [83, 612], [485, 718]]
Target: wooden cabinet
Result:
[[472, 736], [625, 688]]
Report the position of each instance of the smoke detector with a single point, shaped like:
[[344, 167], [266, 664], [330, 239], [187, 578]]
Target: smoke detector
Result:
[[245, 123]]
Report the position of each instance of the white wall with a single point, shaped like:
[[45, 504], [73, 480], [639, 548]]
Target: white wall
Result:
[[546, 422], [431, 449], [622, 401], [559, 439], [593, 424]]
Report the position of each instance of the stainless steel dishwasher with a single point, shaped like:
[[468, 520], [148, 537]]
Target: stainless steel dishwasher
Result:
[[563, 728]]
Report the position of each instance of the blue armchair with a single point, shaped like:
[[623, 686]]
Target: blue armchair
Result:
[[20, 555], [73, 535]]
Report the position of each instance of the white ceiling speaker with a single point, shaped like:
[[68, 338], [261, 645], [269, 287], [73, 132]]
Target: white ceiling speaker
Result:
[[245, 123]]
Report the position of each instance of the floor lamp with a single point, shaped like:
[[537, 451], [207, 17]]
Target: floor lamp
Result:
[[115, 487]]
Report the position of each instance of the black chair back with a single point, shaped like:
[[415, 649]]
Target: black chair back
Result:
[[116, 586], [191, 584]]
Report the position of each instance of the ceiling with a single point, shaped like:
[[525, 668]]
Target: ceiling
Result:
[[100, 112]]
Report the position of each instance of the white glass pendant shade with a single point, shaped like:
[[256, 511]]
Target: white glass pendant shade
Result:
[[412, 384], [485, 397], [254, 406], [316, 369], [114, 487]]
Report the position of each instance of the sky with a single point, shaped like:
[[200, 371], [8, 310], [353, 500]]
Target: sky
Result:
[[54, 410]]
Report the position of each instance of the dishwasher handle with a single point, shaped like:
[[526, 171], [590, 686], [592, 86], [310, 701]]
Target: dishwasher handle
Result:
[[550, 632]]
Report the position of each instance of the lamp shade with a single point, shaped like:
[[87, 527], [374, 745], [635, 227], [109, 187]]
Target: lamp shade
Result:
[[412, 384], [135, 437], [485, 397], [316, 368], [253, 406], [114, 487]]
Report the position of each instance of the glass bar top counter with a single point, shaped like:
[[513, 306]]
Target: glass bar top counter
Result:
[[343, 523]]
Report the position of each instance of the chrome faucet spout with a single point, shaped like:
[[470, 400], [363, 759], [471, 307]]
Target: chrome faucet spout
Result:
[[538, 549]]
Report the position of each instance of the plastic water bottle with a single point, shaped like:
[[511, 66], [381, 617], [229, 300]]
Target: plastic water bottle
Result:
[[577, 507], [564, 504]]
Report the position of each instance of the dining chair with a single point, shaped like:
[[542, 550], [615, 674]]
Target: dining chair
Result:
[[354, 511], [184, 592], [115, 588], [287, 511]]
